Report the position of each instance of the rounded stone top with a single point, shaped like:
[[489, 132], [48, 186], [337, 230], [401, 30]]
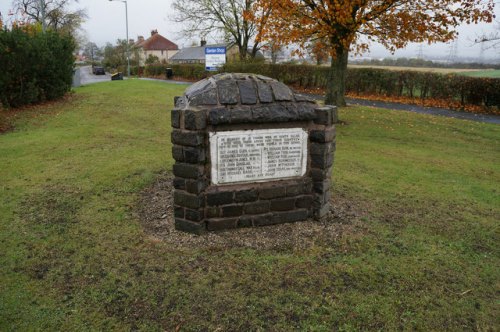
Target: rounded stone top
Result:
[[238, 89]]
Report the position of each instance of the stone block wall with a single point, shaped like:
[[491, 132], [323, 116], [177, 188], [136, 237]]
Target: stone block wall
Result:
[[229, 102]]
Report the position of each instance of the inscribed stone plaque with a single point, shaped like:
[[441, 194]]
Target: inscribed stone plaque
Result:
[[258, 155]]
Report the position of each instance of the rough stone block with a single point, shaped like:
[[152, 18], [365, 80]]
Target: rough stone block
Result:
[[319, 174], [194, 215], [322, 136], [194, 155], [189, 138], [289, 216], [324, 115], [263, 219], [228, 92], [304, 201], [196, 186], [179, 183], [305, 111], [321, 199], [272, 192], [281, 92], [321, 148], [212, 212], [245, 221], [232, 210], [244, 196], [322, 211], [261, 114], [188, 171], [179, 212], [208, 97], [220, 115], [265, 93], [276, 113], [248, 94], [297, 189], [292, 112], [321, 161], [241, 115], [300, 97], [194, 119], [182, 198], [178, 153], [220, 198], [322, 187], [190, 226], [175, 118], [257, 207], [216, 224], [283, 204]]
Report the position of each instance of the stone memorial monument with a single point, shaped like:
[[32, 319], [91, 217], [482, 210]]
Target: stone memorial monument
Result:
[[249, 152]]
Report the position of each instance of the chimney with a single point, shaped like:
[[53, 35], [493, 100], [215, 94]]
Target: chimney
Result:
[[203, 42], [140, 39], [154, 32]]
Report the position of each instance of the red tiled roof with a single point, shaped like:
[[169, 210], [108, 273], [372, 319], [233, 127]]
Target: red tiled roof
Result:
[[158, 42]]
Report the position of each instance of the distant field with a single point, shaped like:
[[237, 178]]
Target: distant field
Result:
[[491, 73], [434, 70]]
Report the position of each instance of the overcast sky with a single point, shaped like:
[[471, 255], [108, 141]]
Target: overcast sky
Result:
[[106, 23]]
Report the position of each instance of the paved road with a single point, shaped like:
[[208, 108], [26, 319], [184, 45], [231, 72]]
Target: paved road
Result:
[[486, 118], [86, 76]]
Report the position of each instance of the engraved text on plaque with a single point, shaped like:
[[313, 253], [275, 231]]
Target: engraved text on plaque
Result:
[[256, 155]]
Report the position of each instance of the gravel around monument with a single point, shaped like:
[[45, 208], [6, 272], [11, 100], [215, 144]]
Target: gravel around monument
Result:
[[155, 208]]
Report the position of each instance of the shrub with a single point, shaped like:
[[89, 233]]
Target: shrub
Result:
[[449, 88], [35, 66]]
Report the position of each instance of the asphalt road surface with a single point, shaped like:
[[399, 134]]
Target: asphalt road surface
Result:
[[86, 76]]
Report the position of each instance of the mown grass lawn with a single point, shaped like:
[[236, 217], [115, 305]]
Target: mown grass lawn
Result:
[[73, 256]]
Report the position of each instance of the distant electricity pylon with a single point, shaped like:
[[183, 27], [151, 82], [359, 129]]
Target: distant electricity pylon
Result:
[[420, 53], [452, 56]]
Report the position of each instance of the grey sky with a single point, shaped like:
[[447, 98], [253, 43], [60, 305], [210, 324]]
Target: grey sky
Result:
[[106, 23]]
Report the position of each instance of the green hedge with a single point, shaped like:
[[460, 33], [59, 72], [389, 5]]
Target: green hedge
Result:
[[34, 66], [364, 81]]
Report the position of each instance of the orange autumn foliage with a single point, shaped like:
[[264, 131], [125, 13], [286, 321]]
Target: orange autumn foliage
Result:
[[341, 26]]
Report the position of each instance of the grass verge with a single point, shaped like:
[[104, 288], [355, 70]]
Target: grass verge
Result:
[[74, 257]]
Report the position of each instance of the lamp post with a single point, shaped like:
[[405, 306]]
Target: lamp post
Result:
[[126, 25]]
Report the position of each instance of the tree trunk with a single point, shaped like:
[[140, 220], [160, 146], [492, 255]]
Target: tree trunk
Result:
[[336, 78]]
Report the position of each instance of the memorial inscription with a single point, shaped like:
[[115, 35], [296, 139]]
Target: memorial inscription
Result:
[[257, 155]]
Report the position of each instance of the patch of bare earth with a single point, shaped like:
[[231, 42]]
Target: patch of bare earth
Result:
[[155, 208]]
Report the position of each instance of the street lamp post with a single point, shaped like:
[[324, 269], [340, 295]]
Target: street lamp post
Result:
[[127, 42]]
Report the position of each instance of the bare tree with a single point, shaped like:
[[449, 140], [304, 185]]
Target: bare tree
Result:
[[54, 13], [227, 17], [491, 40]]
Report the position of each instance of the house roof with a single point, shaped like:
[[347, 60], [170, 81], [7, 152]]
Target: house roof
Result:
[[157, 42], [193, 53]]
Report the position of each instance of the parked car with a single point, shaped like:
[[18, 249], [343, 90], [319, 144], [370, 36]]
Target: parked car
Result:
[[97, 70]]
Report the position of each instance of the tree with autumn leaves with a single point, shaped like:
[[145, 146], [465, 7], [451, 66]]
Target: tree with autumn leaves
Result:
[[338, 27]]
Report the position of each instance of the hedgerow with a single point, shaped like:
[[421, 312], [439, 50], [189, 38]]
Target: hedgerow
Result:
[[34, 66], [449, 89]]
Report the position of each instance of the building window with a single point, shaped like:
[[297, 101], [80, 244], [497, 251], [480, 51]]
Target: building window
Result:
[[161, 52]]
